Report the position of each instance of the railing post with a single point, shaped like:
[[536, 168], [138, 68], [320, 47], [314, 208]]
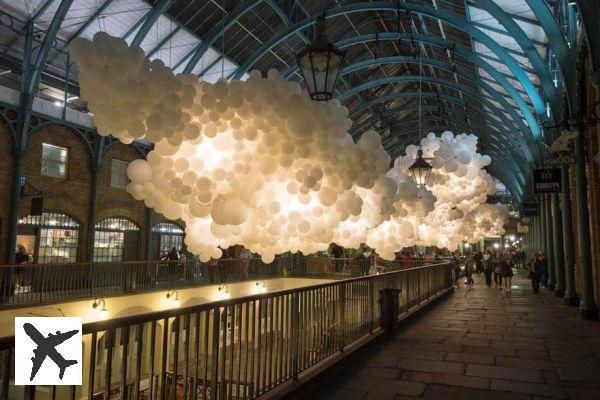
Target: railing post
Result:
[[372, 304], [295, 334], [342, 316]]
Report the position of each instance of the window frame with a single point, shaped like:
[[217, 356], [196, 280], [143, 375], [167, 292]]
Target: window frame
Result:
[[112, 184], [66, 163]]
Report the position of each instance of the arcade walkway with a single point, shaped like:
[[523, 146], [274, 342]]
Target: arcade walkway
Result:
[[480, 343]]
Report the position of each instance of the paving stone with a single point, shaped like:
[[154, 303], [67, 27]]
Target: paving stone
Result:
[[385, 388], [420, 354], [445, 367], [467, 358], [444, 392], [552, 377], [447, 379], [525, 363], [538, 355], [538, 389], [468, 342], [383, 373], [489, 351], [519, 374]]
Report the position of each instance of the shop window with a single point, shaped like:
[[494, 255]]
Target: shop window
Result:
[[110, 239], [169, 236], [50, 237], [118, 174], [54, 161]]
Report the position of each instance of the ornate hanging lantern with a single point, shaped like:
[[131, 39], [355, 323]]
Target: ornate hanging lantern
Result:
[[420, 170], [320, 63]]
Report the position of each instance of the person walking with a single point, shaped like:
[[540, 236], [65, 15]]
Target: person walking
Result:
[[469, 265], [496, 271], [488, 267], [506, 272], [478, 257], [535, 268]]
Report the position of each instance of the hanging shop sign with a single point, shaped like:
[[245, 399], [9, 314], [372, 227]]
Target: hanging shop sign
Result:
[[546, 180], [522, 228], [560, 159], [493, 199], [530, 209]]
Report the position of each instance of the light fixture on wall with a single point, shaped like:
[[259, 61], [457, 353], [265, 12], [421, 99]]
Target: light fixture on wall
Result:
[[223, 292], [103, 312], [260, 287], [320, 63], [175, 295]]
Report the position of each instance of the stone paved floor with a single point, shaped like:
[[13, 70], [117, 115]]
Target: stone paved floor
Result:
[[480, 343]]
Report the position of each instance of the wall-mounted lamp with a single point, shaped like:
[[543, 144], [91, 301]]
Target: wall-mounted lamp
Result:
[[224, 292], [260, 287], [103, 313], [175, 295]]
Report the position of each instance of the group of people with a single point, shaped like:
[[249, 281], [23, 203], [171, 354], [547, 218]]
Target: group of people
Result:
[[496, 266]]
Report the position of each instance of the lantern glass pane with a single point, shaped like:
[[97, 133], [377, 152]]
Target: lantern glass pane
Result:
[[335, 63], [307, 72]]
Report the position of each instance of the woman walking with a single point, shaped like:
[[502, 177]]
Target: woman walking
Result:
[[506, 271]]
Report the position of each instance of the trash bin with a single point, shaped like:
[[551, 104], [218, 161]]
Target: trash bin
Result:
[[389, 305]]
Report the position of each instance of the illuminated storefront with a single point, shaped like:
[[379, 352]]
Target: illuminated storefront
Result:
[[116, 239], [165, 236], [49, 238]]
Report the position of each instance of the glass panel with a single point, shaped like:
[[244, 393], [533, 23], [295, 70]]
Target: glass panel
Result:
[[54, 161], [117, 224], [167, 242], [118, 174], [167, 227], [49, 219], [108, 246], [58, 245]]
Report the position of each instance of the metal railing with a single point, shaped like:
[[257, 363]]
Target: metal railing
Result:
[[232, 349], [46, 283]]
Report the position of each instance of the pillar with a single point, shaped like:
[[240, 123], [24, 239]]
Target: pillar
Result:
[[569, 251], [549, 242], [557, 233], [14, 207], [93, 210], [587, 306], [148, 231]]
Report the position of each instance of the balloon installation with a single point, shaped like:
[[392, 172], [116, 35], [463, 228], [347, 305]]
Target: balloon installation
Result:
[[258, 163]]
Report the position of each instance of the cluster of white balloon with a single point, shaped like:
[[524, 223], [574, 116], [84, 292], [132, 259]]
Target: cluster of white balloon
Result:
[[258, 163]]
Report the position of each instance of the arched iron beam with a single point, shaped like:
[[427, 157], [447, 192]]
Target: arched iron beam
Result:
[[528, 47], [89, 21], [556, 39], [157, 10], [427, 118], [433, 62], [445, 16], [467, 91], [462, 51], [197, 52], [404, 95]]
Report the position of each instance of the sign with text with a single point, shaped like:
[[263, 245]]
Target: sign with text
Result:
[[522, 228], [546, 180]]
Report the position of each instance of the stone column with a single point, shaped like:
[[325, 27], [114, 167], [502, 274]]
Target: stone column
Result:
[[549, 242], [557, 233], [91, 233], [569, 251], [15, 201], [587, 306]]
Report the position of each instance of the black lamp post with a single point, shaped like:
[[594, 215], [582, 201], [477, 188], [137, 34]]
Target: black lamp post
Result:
[[420, 170], [320, 63]]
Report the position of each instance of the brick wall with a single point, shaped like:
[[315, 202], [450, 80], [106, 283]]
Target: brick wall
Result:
[[72, 195]]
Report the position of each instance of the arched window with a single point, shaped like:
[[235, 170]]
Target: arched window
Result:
[[116, 239], [49, 238], [167, 235]]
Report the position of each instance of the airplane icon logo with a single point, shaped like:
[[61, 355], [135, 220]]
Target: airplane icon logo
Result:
[[47, 348], [40, 341]]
